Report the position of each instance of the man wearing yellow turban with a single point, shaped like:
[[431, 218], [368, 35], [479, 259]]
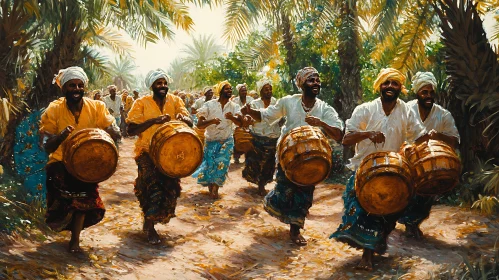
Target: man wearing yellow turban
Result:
[[380, 125], [72, 204], [289, 202], [157, 193], [219, 117]]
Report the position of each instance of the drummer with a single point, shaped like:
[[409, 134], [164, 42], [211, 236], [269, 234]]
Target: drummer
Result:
[[289, 202], [156, 192], [259, 165], [72, 204], [242, 99], [440, 126], [218, 116], [380, 125]]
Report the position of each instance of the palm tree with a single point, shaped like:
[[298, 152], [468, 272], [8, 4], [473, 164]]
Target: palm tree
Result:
[[202, 51], [121, 73]]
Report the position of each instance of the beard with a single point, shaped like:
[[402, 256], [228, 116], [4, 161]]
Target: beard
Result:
[[312, 91], [74, 96], [157, 91], [389, 98], [422, 102]]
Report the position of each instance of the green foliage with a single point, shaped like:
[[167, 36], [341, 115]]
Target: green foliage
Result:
[[15, 215]]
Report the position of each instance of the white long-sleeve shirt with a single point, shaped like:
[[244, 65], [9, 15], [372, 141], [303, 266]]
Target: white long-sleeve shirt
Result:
[[265, 128], [439, 119], [213, 109], [401, 125]]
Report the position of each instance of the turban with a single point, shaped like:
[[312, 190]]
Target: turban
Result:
[[241, 85], [302, 76], [260, 84], [422, 79], [389, 74], [111, 86], [70, 73], [206, 89], [218, 87], [154, 75]]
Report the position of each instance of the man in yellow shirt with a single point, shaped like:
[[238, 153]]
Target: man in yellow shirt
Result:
[[156, 192], [72, 204]]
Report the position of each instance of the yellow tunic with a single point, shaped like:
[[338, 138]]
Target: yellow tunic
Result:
[[145, 108], [57, 117], [128, 103]]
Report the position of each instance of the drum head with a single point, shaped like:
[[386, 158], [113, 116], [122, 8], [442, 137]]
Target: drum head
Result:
[[383, 195], [94, 161], [309, 172], [181, 155]]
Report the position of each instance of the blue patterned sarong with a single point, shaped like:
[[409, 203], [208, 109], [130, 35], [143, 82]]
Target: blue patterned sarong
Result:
[[360, 229], [288, 202], [216, 161]]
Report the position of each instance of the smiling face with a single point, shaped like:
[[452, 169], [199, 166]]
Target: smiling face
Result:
[[74, 90], [226, 91], [208, 95], [266, 92], [312, 85], [160, 88], [426, 96], [390, 90], [243, 91]]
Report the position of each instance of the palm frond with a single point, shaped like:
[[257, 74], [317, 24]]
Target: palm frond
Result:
[[240, 15], [109, 38], [261, 53]]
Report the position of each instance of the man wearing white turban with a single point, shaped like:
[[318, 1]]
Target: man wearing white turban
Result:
[[157, 193], [114, 103], [289, 202], [440, 126], [72, 204], [386, 121], [259, 165], [242, 99]]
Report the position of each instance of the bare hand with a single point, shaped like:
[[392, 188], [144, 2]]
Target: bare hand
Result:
[[162, 119], [216, 121], [377, 137], [247, 121], [313, 121], [229, 116], [65, 132], [433, 134], [245, 109], [180, 117]]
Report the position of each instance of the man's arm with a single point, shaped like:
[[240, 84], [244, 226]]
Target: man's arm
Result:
[[331, 131], [136, 129], [355, 137], [204, 123], [237, 119], [51, 142], [255, 114]]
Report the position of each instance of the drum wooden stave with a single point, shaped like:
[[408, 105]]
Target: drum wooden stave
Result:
[[435, 165], [200, 133], [242, 140], [383, 183], [176, 149], [90, 155], [305, 155]]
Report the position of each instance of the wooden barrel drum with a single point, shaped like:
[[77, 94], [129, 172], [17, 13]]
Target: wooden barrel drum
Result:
[[305, 155], [90, 155], [436, 167], [383, 183], [242, 140], [176, 150]]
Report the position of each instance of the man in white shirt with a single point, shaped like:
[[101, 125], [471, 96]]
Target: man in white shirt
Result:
[[440, 126], [259, 164], [241, 100], [380, 125], [287, 201], [114, 103], [208, 95], [218, 116]]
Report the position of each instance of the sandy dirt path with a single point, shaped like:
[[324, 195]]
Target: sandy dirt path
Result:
[[234, 238]]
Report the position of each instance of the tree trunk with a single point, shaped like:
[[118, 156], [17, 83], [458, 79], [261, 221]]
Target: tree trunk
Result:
[[65, 53], [350, 94], [290, 47]]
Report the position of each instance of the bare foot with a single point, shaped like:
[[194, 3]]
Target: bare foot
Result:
[[214, 193], [366, 263], [210, 188], [412, 231], [262, 191], [296, 237], [153, 236], [74, 246]]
